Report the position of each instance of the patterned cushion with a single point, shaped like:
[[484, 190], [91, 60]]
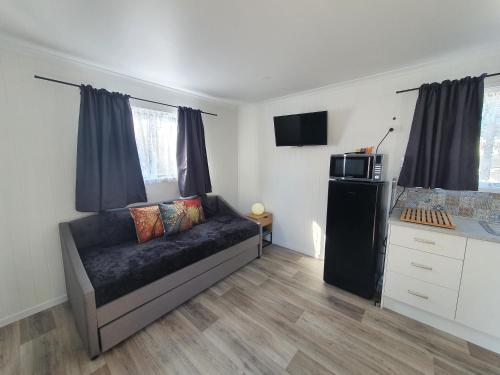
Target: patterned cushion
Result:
[[175, 217], [148, 224], [194, 210]]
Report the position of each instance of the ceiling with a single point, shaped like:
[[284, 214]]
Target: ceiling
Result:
[[252, 50]]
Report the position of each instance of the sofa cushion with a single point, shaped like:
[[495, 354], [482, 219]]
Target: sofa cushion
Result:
[[175, 217], [104, 229], [194, 209], [120, 269], [148, 223]]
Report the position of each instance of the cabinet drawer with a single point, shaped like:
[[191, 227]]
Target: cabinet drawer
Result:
[[434, 269], [434, 299], [431, 242]]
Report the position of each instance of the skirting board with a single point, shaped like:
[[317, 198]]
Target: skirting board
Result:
[[32, 310], [448, 326]]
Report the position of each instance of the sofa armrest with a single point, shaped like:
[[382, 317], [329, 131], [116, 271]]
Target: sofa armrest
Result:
[[226, 208], [80, 292]]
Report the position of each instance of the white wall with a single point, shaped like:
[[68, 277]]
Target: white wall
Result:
[[38, 131], [292, 181], [248, 157]]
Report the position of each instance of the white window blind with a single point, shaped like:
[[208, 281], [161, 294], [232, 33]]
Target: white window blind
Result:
[[489, 166], [156, 137]]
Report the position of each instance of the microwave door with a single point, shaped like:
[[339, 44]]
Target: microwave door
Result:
[[337, 166], [357, 167]]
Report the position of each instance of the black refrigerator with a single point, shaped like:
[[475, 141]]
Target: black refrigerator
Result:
[[355, 232]]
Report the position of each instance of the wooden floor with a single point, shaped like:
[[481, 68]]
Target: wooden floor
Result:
[[274, 316]]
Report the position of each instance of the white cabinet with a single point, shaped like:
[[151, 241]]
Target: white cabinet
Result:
[[479, 297], [448, 281], [423, 269]]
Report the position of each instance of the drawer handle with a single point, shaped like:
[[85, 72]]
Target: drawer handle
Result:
[[423, 296], [423, 266], [421, 240]]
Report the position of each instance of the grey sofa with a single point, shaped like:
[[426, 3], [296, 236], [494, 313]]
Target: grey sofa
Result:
[[116, 286]]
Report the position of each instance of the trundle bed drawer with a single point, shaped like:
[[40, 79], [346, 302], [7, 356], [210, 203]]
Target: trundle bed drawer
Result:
[[121, 328]]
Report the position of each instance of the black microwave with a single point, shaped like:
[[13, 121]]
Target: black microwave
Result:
[[366, 167]]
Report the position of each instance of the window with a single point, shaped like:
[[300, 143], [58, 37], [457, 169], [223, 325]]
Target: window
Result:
[[156, 137], [489, 166]]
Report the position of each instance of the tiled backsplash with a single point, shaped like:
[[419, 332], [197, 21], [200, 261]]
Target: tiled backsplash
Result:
[[471, 204]]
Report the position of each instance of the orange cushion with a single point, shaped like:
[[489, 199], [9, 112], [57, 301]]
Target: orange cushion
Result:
[[148, 223], [194, 210]]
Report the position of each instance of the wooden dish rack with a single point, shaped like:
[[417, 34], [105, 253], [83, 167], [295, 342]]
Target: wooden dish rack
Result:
[[427, 217]]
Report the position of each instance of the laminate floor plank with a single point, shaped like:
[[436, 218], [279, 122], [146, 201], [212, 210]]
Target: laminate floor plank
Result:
[[156, 344], [36, 325], [238, 337], [313, 287], [121, 359], [439, 344], [253, 276], [302, 364], [221, 287], [414, 330], [198, 315], [444, 368], [279, 306], [10, 341], [273, 316], [265, 343], [485, 355], [315, 268], [296, 265], [369, 351], [46, 355], [203, 355], [283, 252], [104, 370], [306, 295], [67, 333], [268, 265], [332, 356], [331, 321], [339, 345], [319, 286]]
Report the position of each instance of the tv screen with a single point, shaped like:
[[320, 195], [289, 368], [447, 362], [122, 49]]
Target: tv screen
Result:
[[302, 129]]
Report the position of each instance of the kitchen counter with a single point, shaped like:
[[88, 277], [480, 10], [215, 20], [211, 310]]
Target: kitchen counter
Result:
[[464, 227]]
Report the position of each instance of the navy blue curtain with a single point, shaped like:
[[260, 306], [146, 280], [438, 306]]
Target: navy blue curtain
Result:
[[192, 162], [108, 172], [443, 148]]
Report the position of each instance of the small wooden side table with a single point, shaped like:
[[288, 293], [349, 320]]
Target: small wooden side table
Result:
[[266, 221]]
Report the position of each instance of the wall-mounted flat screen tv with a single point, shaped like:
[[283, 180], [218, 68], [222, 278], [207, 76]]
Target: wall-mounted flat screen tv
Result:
[[304, 129]]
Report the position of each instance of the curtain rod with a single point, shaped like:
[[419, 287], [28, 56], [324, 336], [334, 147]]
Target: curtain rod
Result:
[[131, 97], [418, 88]]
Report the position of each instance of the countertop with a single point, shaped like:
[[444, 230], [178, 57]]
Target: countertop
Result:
[[464, 227]]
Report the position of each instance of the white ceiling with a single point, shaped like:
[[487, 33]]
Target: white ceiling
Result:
[[257, 49]]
